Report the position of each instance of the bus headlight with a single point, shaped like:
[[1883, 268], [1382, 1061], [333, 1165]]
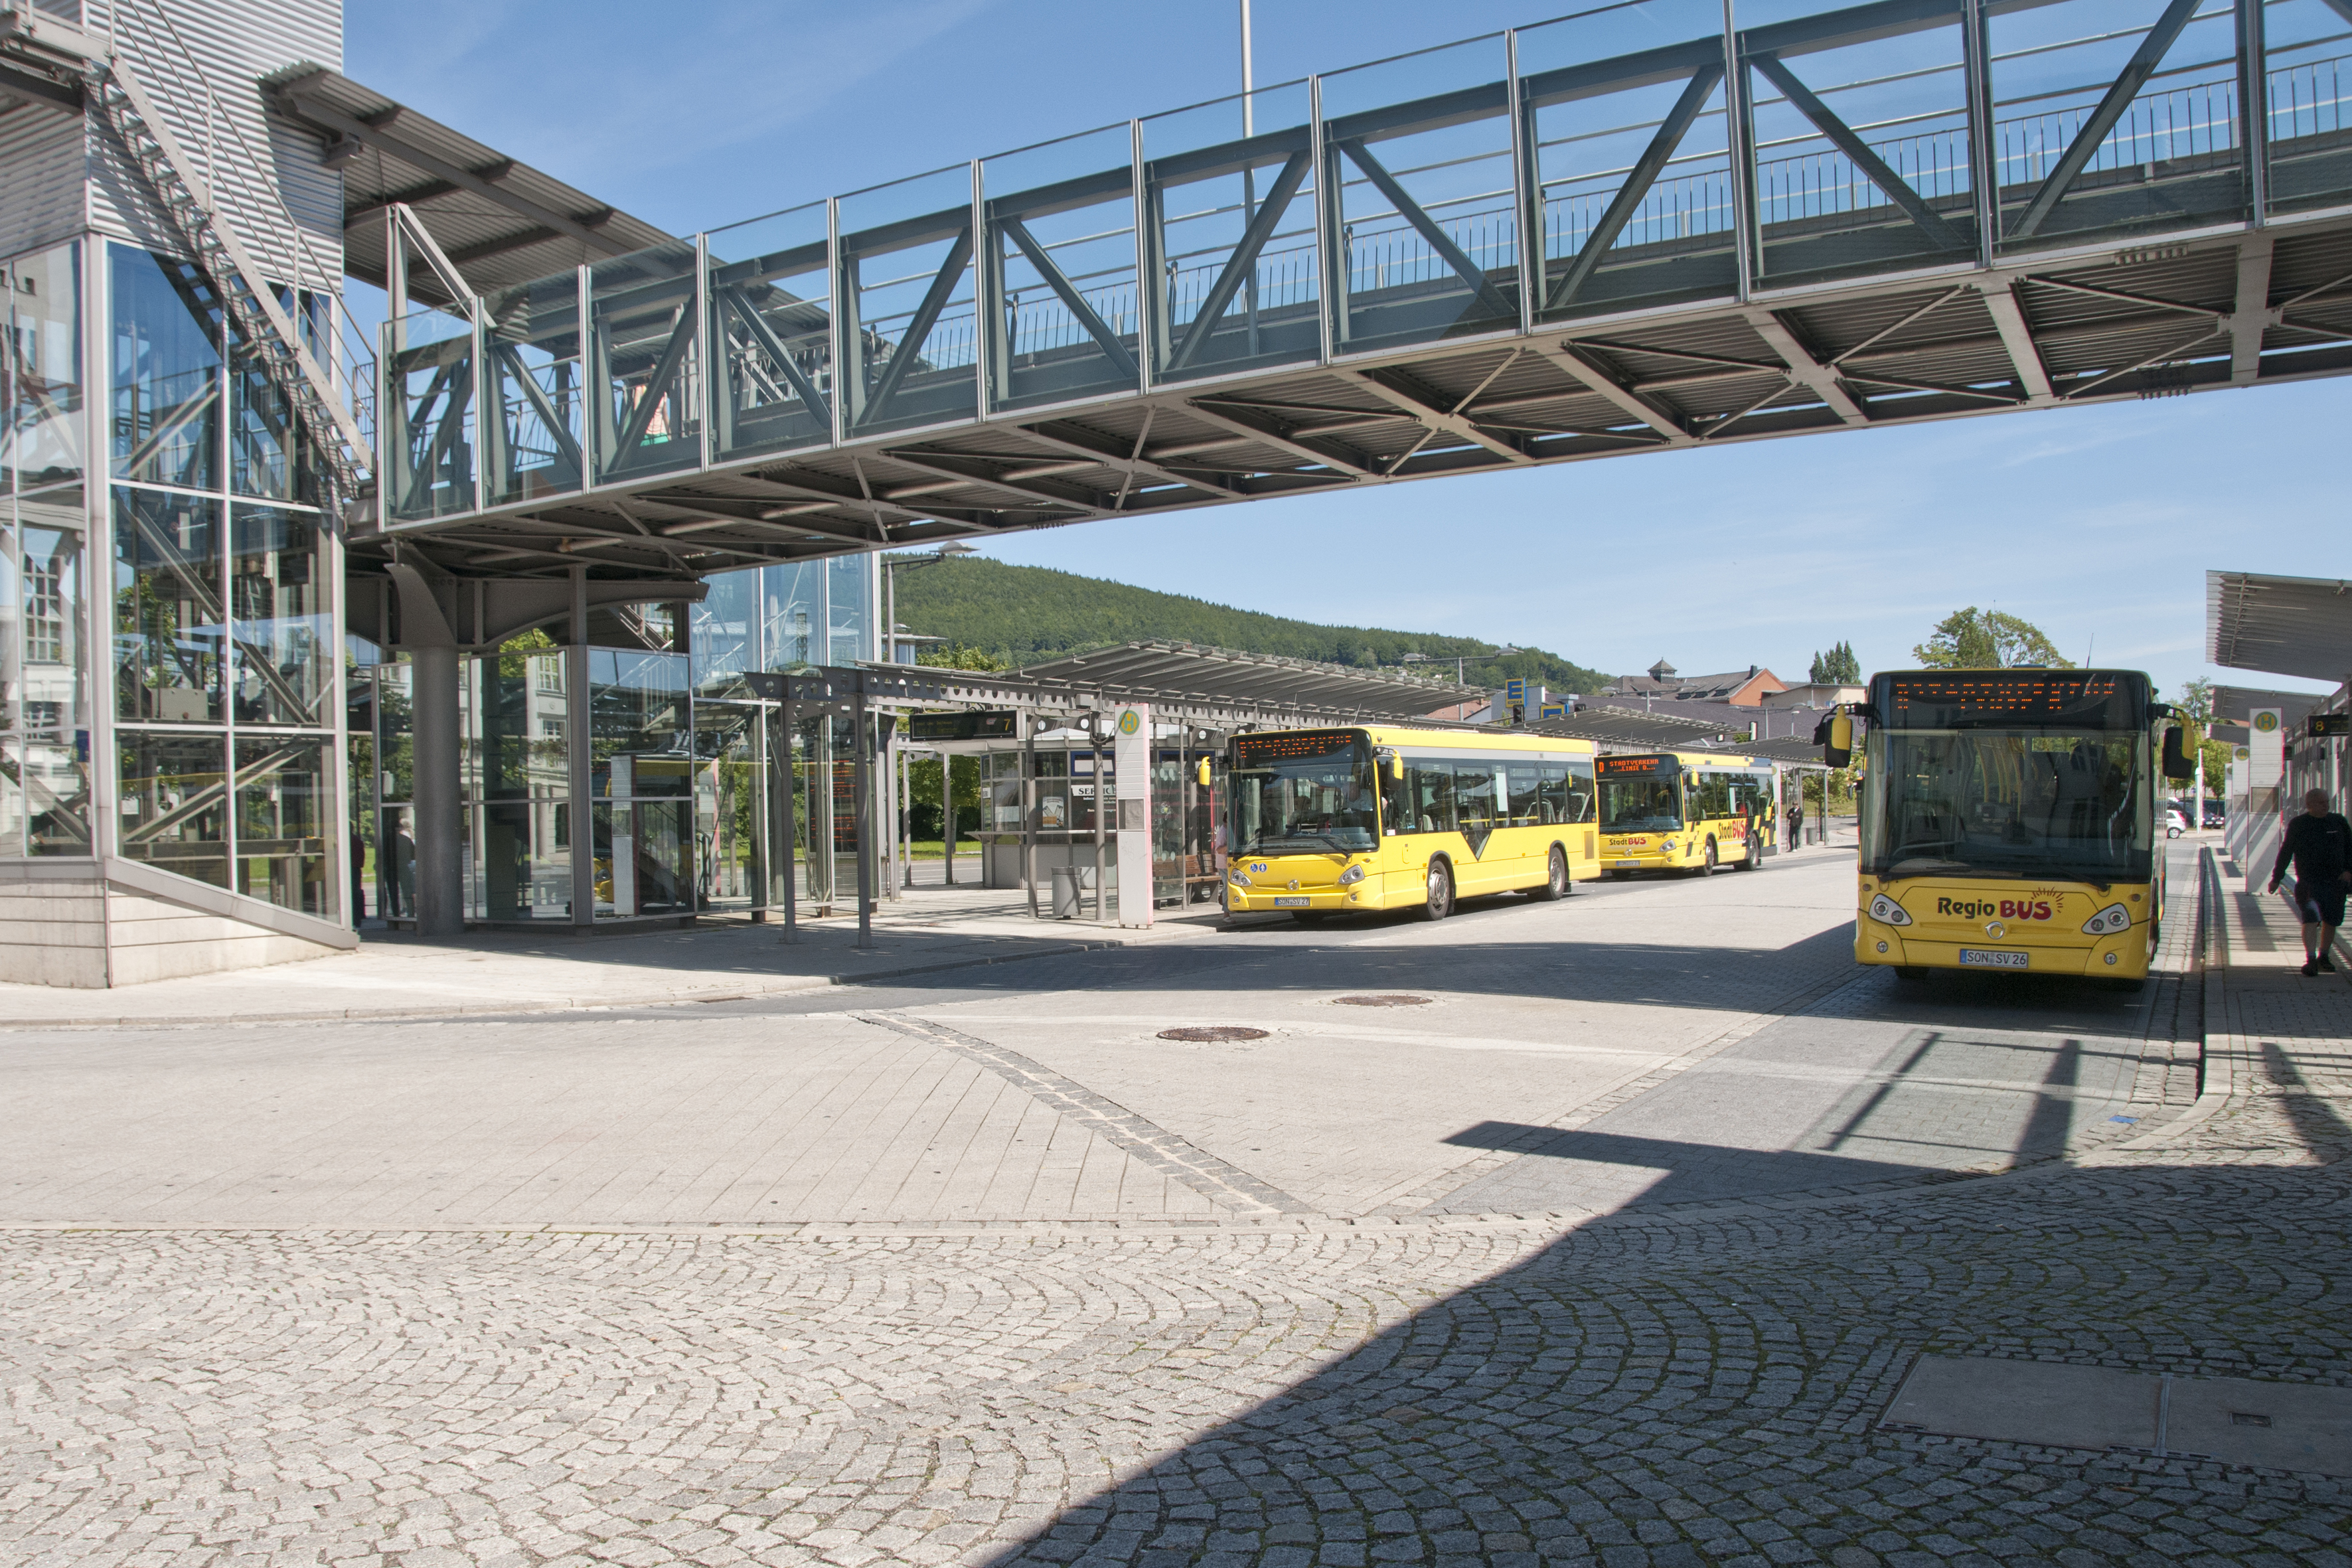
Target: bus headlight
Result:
[[1668, 847], [1351, 876], [2108, 921], [1886, 911], [1238, 877]]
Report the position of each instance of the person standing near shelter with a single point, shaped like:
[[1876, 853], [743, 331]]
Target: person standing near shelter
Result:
[[1797, 819], [2318, 844]]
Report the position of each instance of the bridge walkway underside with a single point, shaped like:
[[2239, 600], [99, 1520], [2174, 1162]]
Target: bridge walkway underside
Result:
[[1536, 248]]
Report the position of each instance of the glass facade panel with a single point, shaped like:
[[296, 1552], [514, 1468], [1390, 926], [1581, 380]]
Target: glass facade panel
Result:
[[849, 598], [270, 449], [730, 806], [168, 623], [12, 799], [44, 439], [909, 321], [1418, 171], [2308, 75], [792, 618], [428, 414], [1063, 318], [533, 448], [1229, 194], [1630, 148], [1860, 136], [2113, 120], [642, 766], [50, 679], [645, 408], [174, 806], [724, 637], [281, 634], [771, 325], [166, 385], [56, 778], [285, 813], [526, 784]]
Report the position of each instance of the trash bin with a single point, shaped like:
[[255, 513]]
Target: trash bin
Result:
[[1065, 892]]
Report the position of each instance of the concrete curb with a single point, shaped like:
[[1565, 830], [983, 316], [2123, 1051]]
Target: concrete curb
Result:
[[783, 987]]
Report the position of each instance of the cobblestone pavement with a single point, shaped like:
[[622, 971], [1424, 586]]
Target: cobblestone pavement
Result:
[[1694, 1382]]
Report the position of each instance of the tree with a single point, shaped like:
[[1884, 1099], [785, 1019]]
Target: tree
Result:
[[961, 658], [2196, 706], [1988, 639], [1836, 668]]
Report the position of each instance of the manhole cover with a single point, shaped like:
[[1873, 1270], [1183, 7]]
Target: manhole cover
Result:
[[1384, 999], [1213, 1032]]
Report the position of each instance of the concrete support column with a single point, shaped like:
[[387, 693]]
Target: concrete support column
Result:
[[440, 839]]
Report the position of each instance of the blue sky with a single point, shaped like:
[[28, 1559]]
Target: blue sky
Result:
[[2098, 524]]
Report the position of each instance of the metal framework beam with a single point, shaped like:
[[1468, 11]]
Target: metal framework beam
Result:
[[1064, 290], [2007, 314], [2142, 65], [1863, 157], [1438, 415], [1805, 368], [1638, 181], [2252, 315], [1239, 264], [919, 326], [1453, 255], [1079, 440]]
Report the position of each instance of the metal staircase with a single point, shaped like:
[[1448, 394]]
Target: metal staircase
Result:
[[341, 443]]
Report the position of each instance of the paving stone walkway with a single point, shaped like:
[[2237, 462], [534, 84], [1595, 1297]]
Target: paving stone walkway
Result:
[[1672, 1384]]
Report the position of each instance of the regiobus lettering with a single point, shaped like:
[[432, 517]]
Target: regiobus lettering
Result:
[[2007, 909]]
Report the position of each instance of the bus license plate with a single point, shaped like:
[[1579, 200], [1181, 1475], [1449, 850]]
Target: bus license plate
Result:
[[1978, 958], [1292, 903], [1635, 863]]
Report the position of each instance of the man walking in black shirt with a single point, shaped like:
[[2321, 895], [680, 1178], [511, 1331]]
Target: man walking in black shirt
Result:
[[2318, 844]]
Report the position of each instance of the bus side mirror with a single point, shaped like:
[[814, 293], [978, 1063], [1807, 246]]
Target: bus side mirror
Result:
[[1396, 768], [1837, 748], [1204, 773], [2177, 763]]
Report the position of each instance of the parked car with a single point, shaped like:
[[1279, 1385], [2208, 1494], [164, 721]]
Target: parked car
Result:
[[2173, 822], [2216, 814]]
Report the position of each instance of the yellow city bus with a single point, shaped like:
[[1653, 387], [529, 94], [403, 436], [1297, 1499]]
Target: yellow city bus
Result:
[[1346, 820], [1685, 813], [2007, 821]]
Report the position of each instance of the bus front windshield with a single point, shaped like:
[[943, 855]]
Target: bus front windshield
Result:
[[1302, 794], [1640, 802], [2061, 805]]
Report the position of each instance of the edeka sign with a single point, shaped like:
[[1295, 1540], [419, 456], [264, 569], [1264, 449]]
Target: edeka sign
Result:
[[1132, 754]]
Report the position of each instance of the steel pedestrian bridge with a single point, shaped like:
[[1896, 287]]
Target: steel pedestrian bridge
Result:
[[1629, 229]]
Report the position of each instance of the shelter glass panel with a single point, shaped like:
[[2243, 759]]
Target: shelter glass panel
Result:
[[49, 685], [531, 332], [2114, 118], [1229, 194], [645, 372], [174, 790], [429, 396], [2308, 75], [12, 800], [281, 634], [44, 443], [1859, 127], [1063, 321], [1623, 112], [908, 320], [1418, 170], [168, 625], [166, 390], [771, 333], [642, 765], [13, 609], [270, 451], [285, 808]]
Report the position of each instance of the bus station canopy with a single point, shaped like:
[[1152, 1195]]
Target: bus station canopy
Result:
[[2284, 625], [1193, 675], [1632, 727]]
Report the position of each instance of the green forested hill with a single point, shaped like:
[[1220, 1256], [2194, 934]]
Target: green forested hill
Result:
[[1022, 614]]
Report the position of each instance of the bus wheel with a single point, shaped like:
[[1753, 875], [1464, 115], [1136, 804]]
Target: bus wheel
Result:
[[1754, 857], [1707, 867], [1555, 884], [1441, 893]]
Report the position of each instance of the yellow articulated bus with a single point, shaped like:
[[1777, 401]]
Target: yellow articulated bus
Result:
[[1324, 822], [1684, 812], [2007, 821]]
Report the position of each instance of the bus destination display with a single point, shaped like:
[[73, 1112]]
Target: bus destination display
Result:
[[2102, 698], [1252, 750], [1605, 766]]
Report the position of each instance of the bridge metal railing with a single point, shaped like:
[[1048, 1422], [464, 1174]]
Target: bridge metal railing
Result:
[[1655, 159]]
